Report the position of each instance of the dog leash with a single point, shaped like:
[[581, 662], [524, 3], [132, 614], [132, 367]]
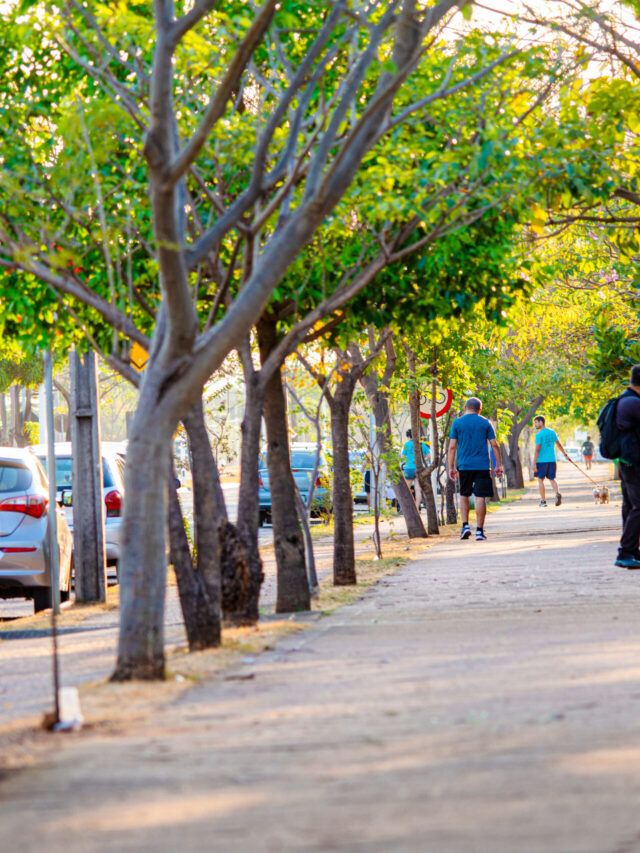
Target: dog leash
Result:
[[584, 473]]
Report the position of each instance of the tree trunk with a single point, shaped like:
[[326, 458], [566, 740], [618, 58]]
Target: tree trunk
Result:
[[293, 585], [511, 459], [4, 431], [199, 579], [143, 564], [245, 609], [378, 396], [423, 472], [450, 493], [344, 563], [303, 515], [15, 429]]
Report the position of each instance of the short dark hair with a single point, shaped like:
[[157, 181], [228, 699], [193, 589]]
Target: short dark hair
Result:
[[409, 434], [540, 418], [588, 438], [635, 374], [474, 404]]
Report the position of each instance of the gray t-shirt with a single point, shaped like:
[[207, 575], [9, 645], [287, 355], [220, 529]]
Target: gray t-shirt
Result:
[[472, 433]]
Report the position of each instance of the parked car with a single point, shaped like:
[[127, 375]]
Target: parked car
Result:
[[113, 462], [574, 454], [25, 555], [303, 458]]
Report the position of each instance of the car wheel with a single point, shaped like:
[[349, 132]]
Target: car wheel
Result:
[[41, 598]]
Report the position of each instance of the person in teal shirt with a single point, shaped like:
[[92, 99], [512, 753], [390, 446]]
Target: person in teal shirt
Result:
[[544, 458], [409, 460]]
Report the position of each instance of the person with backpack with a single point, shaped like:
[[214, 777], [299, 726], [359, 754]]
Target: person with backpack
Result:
[[619, 424]]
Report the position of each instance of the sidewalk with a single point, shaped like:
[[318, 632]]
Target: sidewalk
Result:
[[483, 699], [88, 648]]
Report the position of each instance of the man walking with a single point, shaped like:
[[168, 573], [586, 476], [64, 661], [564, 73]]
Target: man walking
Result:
[[628, 422], [587, 452], [544, 458], [469, 441]]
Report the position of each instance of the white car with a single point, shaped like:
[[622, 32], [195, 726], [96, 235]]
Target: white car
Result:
[[113, 462], [25, 552]]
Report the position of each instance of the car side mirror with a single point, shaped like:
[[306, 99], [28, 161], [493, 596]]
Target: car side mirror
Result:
[[66, 498]]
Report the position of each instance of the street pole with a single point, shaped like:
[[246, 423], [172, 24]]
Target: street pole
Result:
[[86, 480], [53, 525]]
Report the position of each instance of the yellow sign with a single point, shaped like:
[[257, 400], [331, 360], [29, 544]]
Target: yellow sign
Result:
[[138, 357]]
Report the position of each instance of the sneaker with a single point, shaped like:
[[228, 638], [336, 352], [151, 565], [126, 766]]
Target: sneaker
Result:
[[558, 499], [543, 503], [465, 533], [627, 563], [480, 537]]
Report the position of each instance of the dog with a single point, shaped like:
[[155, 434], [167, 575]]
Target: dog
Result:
[[601, 495]]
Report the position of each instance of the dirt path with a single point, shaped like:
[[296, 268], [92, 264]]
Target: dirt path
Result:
[[483, 699]]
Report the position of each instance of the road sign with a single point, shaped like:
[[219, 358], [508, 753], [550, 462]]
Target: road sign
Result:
[[444, 398], [138, 357]]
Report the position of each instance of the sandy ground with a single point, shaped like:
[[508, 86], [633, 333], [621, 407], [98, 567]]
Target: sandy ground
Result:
[[483, 699], [88, 649]]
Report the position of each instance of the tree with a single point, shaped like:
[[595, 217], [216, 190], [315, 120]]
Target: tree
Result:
[[297, 103]]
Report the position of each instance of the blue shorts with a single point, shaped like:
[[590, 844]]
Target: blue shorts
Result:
[[410, 473], [546, 469]]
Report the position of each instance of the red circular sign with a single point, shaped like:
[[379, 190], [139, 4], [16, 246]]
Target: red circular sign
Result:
[[444, 398]]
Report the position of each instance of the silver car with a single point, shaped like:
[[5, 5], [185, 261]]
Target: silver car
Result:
[[112, 488], [25, 558]]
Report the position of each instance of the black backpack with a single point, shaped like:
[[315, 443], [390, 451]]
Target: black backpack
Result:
[[610, 435]]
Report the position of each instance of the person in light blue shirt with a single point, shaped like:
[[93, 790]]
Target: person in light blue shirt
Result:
[[544, 458], [409, 459]]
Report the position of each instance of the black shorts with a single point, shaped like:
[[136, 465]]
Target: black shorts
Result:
[[476, 482]]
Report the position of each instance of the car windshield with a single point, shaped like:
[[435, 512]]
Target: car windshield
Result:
[[299, 459], [63, 472], [303, 460], [14, 477]]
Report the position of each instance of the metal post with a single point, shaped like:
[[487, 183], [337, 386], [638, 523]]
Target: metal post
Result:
[[51, 468], [53, 526]]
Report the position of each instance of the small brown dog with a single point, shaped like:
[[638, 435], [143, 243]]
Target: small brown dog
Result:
[[601, 495]]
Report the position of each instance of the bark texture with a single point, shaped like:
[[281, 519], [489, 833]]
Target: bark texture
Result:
[[344, 563], [511, 458], [244, 610], [293, 585], [377, 391], [143, 568], [423, 471]]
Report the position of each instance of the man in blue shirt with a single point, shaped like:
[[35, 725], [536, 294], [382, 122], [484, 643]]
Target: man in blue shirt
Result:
[[544, 458], [470, 438]]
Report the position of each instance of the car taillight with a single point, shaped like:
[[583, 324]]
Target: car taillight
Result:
[[33, 505], [17, 550], [260, 483], [113, 503]]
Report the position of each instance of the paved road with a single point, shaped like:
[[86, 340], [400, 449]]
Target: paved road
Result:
[[483, 700]]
